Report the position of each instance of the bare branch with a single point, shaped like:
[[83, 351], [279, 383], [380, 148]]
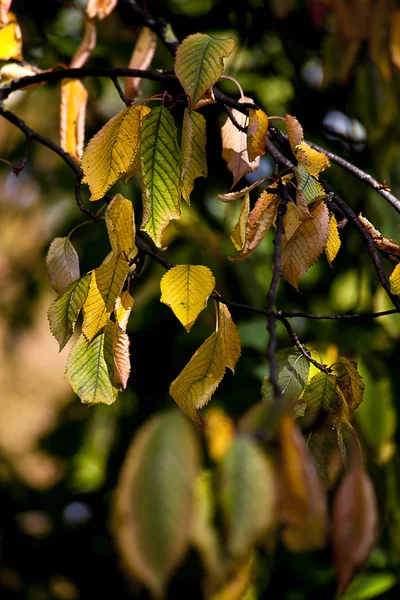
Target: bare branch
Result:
[[299, 345]]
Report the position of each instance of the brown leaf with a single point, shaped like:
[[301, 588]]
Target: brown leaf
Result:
[[381, 242], [306, 244], [86, 46], [350, 382], [141, 58], [100, 8], [122, 364], [355, 521], [294, 131]]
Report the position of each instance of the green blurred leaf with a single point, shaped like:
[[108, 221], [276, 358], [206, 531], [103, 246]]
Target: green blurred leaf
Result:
[[293, 369]]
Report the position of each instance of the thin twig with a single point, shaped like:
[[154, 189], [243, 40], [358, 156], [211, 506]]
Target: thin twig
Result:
[[119, 90], [236, 123], [374, 315], [299, 345]]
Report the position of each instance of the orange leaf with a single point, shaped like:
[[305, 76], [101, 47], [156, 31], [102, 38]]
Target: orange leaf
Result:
[[72, 118], [100, 9], [141, 58], [294, 131]]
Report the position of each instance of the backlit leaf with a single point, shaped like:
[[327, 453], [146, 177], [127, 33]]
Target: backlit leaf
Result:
[[11, 39], [292, 373], [72, 119], [195, 385], [154, 502], [310, 187], [15, 71], [248, 495], [219, 431], [122, 364], [193, 149], [199, 63], [99, 9], [355, 520], [105, 286], [333, 240], [90, 368], [86, 46], [4, 8], [186, 289], [257, 130], [313, 160], [302, 502], [294, 131], [350, 382], [141, 58], [120, 223], [230, 196], [123, 307], [395, 280], [160, 164], [64, 311], [110, 153], [306, 244], [319, 394], [238, 235], [62, 264], [291, 222], [229, 336], [234, 146], [259, 222]]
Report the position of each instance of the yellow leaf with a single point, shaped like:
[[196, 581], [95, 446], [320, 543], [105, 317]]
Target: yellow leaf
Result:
[[11, 39], [112, 150], [258, 224], [141, 59], [234, 146], [121, 226], [238, 235], [105, 286], [186, 289], [305, 245], [15, 71], [294, 131], [237, 585], [123, 307], [72, 118], [394, 280], [257, 130], [99, 9], [230, 196], [291, 222], [395, 38], [333, 240], [219, 432], [193, 149], [314, 161], [195, 385], [155, 499], [122, 364], [229, 337]]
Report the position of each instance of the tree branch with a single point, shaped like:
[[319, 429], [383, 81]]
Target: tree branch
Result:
[[299, 345], [374, 315]]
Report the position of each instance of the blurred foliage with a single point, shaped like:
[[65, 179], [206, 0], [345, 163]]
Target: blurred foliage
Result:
[[59, 459]]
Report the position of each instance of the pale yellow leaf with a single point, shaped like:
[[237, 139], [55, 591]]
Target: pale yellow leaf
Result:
[[99, 9], [105, 286], [122, 364], [155, 499], [110, 153], [229, 335], [120, 223], [314, 161], [193, 148], [234, 146], [16, 71], [257, 130], [305, 245], [238, 235], [258, 224], [62, 264], [395, 280], [195, 385], [230, 196], [141, 58], [333, 240], [291, 222], [186, 289], [86, 46], [294, 131], [123, 308], [72, 117], [11, 39]]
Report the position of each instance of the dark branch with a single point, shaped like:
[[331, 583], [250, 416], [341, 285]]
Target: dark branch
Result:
[[290, 315], [230, 114]]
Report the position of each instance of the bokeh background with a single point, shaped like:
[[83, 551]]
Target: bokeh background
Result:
[[334, 65]]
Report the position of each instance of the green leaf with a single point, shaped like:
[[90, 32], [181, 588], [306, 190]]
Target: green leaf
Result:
[[199, 63], [160, 164], [370, 585], [248, 495], [238, 235], [319, 393], [62, 264], [112, 151], [90, 368], [105, 286], [311, 189], [193, 148], [186, 289], [155, 499], [120, 223], [292, 371], [64, 311]]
